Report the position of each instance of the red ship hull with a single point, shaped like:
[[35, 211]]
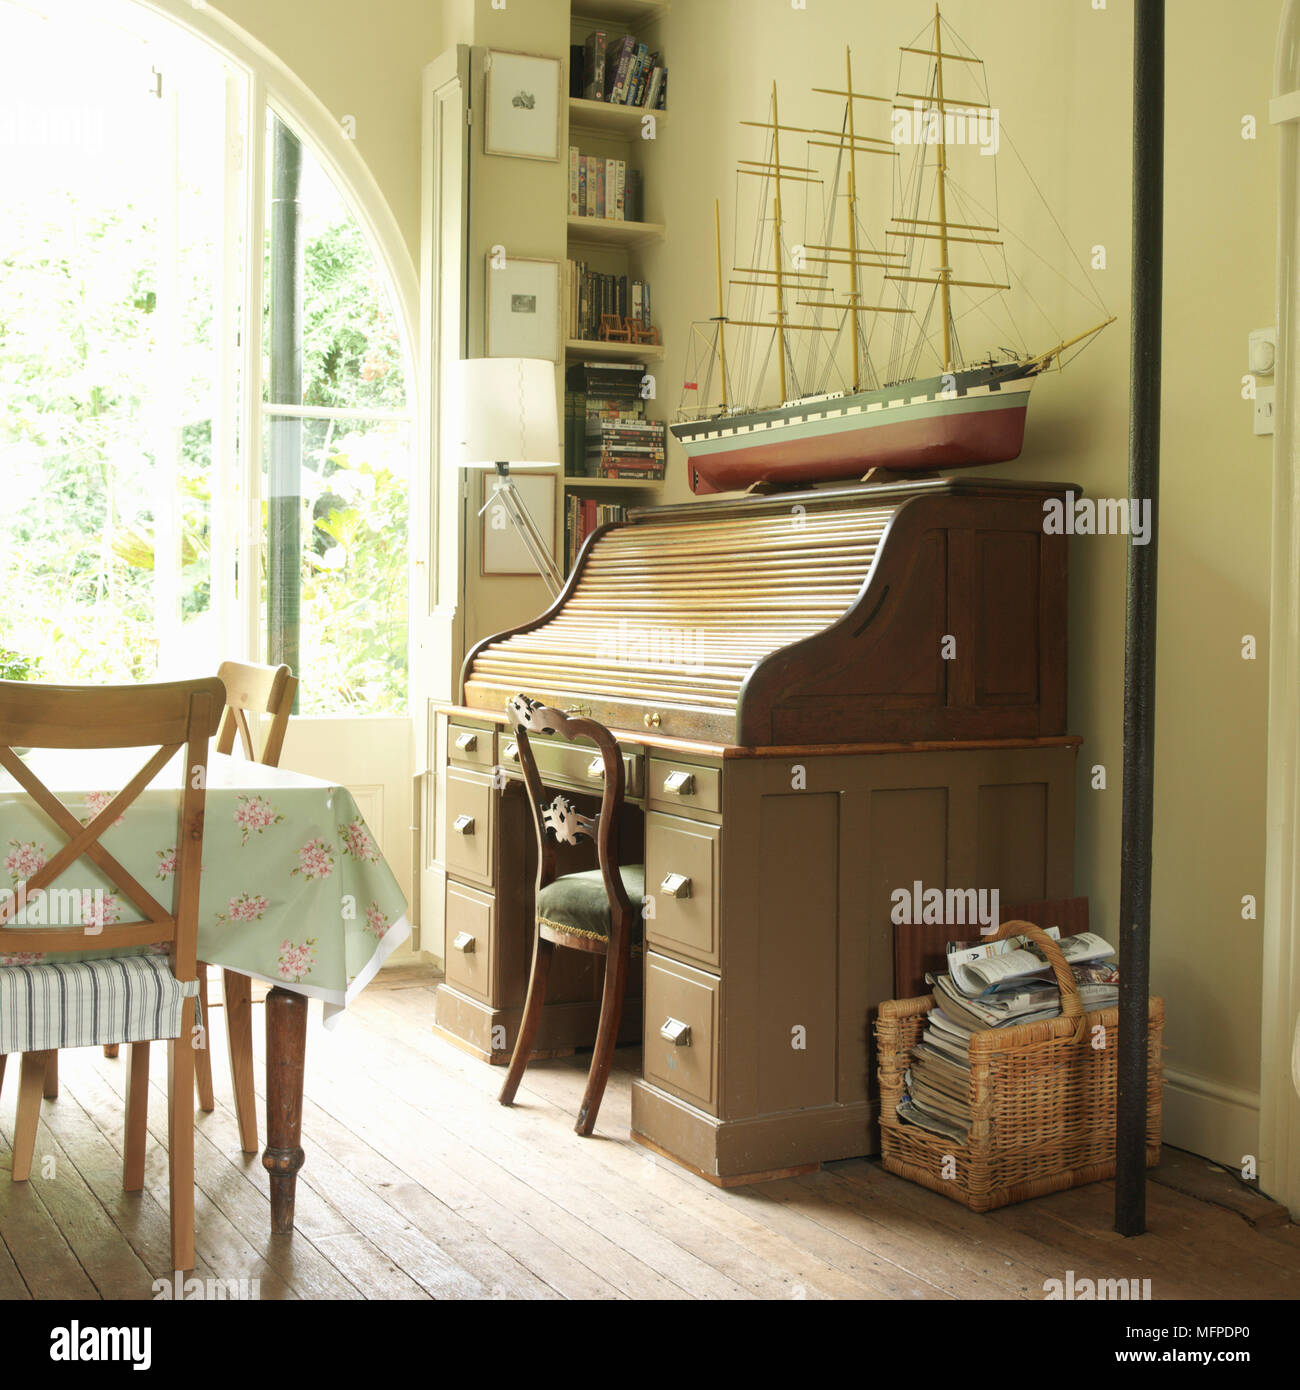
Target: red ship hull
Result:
[[964, 439]]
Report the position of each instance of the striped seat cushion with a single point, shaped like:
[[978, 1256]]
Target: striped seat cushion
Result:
[[82, 1003]]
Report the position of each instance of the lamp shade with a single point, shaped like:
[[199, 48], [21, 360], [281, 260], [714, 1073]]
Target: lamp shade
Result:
[[504, 413]]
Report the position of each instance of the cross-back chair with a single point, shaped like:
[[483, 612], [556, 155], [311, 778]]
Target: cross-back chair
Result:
[[255, 690], [596, 910], [251, 691], [115, 999]]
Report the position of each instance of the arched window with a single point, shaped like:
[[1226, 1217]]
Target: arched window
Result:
[[178, 488]]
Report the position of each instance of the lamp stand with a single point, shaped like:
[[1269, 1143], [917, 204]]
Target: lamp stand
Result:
[[538, 551]]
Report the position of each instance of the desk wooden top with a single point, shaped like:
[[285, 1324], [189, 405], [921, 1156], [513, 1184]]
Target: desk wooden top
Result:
[[648, 738]]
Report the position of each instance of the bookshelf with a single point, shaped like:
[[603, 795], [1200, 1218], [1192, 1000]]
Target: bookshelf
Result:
[[628, 14], [612, 485], [606, 231], [613, 246], [578, 349], [603, 118]]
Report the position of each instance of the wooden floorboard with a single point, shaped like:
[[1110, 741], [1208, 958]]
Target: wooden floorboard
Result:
[[419, 1185]]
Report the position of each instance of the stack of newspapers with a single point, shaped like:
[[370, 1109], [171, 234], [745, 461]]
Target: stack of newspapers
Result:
[[992, 984]]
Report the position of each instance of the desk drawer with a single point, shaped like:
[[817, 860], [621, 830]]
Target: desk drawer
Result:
[[674, 785], [574, 765], [681, 1031], [682, 875], [470, 936], [470, 746], [470, 814]]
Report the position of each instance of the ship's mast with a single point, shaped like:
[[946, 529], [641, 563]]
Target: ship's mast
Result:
[[781, 280], [853, 217], [776, 242], [722, 320], [910, 226], [853, 255], [945, 270]]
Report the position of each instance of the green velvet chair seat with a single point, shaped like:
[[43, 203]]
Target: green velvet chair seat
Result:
[[578, 903]]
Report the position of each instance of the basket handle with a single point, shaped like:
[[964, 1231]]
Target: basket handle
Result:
[[1071, 1004]]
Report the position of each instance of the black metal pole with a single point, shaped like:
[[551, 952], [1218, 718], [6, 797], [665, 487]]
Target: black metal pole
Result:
[[1140, 630], [284, 463]]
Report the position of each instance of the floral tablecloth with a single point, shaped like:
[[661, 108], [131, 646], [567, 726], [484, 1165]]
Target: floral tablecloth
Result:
[[294, 890]]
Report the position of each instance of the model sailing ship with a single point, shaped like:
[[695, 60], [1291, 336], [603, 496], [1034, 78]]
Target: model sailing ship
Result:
[[964, 414]]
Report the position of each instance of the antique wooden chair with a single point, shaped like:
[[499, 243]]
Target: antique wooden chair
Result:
[[598, 910], [250, 690], [115, 999]]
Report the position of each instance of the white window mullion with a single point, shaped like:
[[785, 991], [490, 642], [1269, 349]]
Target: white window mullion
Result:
[[167, 408], [251, 529], [229, 279]]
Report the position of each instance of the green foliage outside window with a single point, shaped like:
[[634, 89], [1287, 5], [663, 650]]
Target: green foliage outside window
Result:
[[80, 431]]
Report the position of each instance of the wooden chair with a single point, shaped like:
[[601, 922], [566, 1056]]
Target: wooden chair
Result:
[[250, 690], [132, 999], [596, 911], [257, 690]]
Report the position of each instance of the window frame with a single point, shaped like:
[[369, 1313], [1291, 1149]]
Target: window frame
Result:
[[259, 85]]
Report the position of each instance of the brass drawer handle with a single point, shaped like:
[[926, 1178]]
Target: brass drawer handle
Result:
[[467, 743], [511, 752], [653, 720], [677, 886], [464, 942], [680, 784], [596, 768], [463, 825], [676, 1032]]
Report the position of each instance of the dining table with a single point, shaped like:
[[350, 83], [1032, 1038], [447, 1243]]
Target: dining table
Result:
[[294, 891]]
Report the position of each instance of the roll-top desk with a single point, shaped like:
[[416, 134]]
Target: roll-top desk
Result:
[[821, 698]]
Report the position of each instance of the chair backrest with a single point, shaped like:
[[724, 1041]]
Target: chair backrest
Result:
[[556, 819], [255, 690], [168, 717]]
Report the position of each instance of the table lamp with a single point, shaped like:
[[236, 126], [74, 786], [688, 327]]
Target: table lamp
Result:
[[506, 419]]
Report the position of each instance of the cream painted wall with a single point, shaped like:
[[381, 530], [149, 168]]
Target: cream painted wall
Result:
[[364, 61], [1061, 75]]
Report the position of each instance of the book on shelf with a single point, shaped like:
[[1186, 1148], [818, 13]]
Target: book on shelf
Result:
[[584, 515], [622, 72], [990, 985], [590, 175], [634, 197], [606, 432], [654, 86], [593, 66], [593, 294]]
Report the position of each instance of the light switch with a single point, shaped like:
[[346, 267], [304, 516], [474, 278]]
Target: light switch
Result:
[[1261, 361]]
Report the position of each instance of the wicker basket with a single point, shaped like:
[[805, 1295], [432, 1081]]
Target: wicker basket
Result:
[[1042, 1099]]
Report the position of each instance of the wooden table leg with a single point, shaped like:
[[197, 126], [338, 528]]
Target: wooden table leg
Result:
[[286, 1046]]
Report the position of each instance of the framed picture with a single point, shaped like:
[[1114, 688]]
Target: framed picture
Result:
[[523, 308], [502, 550], [523, 106]]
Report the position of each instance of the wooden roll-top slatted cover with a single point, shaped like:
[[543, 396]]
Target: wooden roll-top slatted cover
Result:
[[806, 618]]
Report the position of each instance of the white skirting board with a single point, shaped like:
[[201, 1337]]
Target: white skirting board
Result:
[[1208, 1118]]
